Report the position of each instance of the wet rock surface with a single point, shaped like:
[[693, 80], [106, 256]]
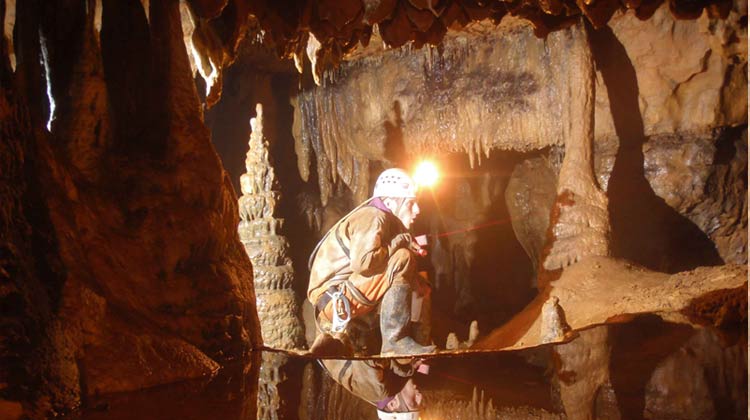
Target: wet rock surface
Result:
[[694, 190], [149, 284]]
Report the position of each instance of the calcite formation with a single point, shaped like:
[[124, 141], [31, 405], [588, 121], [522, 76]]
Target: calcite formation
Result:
[[488, 88], [266, 247], [601, 290], [580, 220], [272, 267]]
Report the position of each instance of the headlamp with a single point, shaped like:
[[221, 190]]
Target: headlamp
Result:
[[426, 174]]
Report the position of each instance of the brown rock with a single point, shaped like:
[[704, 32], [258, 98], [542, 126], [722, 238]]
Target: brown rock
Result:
[[208, 9], [377, 11], [396, 31], [529, 197], [421, 19], [338, 12], [147, 277]]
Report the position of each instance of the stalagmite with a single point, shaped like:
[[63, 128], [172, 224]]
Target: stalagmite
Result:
[[580, 216], [267, 249], [580, 229], [147, 9], [272, 267]]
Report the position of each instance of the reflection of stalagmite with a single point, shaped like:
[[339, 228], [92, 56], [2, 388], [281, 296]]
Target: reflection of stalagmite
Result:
[[583, 371], [272, 267], [580, 217]]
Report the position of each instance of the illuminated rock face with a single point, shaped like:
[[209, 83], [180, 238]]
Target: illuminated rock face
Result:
[[488, 88]]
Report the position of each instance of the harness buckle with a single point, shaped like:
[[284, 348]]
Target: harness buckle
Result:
[[341, 311]]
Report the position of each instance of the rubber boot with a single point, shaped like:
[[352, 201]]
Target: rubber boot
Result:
[[395, 318], [422, 329]]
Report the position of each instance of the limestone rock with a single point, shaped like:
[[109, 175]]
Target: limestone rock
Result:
[[144, 278], [704, 179], [529, 197], [433, 101], [700, 176], [601, 290]]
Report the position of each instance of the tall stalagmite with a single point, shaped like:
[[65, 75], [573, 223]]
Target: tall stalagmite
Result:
[[272, 267]]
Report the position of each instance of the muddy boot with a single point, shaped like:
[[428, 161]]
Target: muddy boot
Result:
[[395, 319], [422, 329]]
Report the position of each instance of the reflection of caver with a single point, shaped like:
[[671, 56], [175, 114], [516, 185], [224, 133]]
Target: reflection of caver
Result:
[[383, 383], [366, 259]]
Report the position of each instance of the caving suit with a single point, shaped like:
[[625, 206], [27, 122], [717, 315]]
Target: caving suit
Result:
[[367, 252], [371, 380]]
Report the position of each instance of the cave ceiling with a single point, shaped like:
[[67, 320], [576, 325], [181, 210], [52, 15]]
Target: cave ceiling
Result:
[[330, 31]]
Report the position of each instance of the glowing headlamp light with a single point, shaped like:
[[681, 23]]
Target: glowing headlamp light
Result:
[[426, 174]]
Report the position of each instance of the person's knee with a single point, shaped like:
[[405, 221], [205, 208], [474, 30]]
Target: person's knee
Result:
[[402, 264], [402, 257]]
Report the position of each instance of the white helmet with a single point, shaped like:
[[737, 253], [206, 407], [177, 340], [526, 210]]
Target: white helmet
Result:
[[412, 415], [395, 183]]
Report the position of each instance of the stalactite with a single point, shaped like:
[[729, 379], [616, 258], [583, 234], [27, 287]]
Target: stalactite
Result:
[[98, 18], [301, 141], [319, 134], [272, 267], [9, 23], [436, 101], [147, 9]]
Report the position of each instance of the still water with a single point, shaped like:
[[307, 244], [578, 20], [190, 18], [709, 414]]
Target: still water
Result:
[[655, 368]]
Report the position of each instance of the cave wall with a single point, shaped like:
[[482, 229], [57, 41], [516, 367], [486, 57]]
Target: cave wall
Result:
[[122, 267], [670, 112]]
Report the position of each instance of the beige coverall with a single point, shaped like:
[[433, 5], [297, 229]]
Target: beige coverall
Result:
[[370, 380], [377, 257]]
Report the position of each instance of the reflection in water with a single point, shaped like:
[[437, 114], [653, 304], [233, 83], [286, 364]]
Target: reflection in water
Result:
[[657, 370], [230, 395]]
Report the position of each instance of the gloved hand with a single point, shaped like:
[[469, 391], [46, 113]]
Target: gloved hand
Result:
[[402, 240]]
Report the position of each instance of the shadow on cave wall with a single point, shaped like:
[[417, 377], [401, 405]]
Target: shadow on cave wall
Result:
[[645, 229], [395, 151]]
